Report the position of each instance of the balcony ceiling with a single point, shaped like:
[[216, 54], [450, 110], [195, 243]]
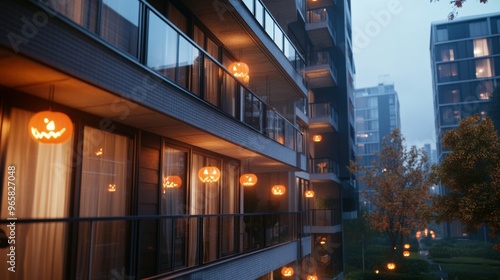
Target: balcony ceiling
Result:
[[267, 78], [24, 75]]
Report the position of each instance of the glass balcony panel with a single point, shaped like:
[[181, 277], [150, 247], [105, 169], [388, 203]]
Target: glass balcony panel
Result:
[[120, 24], [188, 66], [212, 72], [162, 47], [229, 95], [253, 111], [269, 24]]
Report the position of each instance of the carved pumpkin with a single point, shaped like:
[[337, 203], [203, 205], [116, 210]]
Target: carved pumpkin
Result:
[[248, 180], [50, 127], [239, 69], [287, 271], [209, 174], [309, 194], [391, 266], [172, 182], [278, 190], [312, 277]]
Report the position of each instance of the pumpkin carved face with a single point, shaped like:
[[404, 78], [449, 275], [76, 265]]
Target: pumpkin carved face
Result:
[[248, 180], [209, 174], [287, 271], [278, 190], [50, 127]]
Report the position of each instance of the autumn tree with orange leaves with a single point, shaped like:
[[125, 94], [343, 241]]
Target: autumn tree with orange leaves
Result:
[[398, 186]]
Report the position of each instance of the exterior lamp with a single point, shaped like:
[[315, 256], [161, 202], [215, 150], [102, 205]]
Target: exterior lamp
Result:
[[377, 271], [287, 271], [406, 253], [391, 266], [111, 188], [278, 190], [312, 277], [209, 174], [317, 138], [248, 179], [172, 182], [50, 127], [309, 194]]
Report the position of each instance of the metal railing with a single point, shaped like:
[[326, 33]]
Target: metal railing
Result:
[[323, 58], [322, 15], [324, 165], [135, 247], [322, 110], [325, 217]]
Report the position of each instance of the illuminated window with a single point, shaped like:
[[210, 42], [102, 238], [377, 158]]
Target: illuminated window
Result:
[[447, 55], [447, 72], [481, 47], [483, 68]]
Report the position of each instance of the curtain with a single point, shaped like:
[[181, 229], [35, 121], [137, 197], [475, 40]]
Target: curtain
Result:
[[173, 202], [229, 204], [105, 191], [42, 178], [120, 24]]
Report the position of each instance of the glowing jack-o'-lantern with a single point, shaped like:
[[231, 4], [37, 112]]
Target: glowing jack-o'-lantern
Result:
[[287, 271], [317, 138], [391, 266], [278, 190], [312, 277], [209, 174], [407, 246], [172, 182], [309, 194], [50, 127], [239, 69], [248, 180], [111, 188], [406, 254]]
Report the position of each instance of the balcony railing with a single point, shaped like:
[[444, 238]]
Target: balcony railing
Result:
[[135, 247], [317, 58], [324, 165], [323, 110], [274, 30], [322, 15], [325, 217], [178, 59]]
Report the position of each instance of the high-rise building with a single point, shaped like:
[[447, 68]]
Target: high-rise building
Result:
[[465, 69], [188, 139], [377, 115]]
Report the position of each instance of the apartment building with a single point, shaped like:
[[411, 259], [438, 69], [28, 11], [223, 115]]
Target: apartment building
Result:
[[377, 115], [465, 61], [149, 139]]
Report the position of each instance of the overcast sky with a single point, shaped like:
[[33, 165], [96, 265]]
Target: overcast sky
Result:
[[392, 37]]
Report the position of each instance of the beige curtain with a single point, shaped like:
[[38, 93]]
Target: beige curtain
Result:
[[105, 166], [42, 181]]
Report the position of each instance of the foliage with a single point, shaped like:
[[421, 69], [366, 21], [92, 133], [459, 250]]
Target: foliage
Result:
[[471, 174], [398, 185], [370, 275], [448, 248], [455, 4]]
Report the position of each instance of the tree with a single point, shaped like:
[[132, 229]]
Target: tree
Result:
[[455, 4], [398, 184], [471, 174]]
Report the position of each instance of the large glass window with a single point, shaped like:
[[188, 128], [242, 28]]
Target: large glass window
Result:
[[120, 24], [441, 34], [479, 28], [483, 68], [105, 191], [40, 177], [82, 12], [173, 232], [447, 72], [481, 47]]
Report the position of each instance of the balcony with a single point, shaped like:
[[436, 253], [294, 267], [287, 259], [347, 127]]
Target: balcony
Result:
[[323, 117], [324, 169], [320, 27], [316, 4], [138, 247], [321, 70], [324, 221]]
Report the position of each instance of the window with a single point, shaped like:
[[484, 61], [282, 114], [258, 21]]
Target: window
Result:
[[481, 47], [479, 28], [82, 12], [105, 192], [447, 72], [483, 68], [441, 34], [42, 181], [162, 47], [447, 55]]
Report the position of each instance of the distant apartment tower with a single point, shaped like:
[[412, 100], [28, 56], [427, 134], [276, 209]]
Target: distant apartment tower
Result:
[[465, 69], [377, 115]]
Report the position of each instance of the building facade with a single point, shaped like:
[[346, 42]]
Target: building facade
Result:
[[465, 60], [171, 109], [377, 115]]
